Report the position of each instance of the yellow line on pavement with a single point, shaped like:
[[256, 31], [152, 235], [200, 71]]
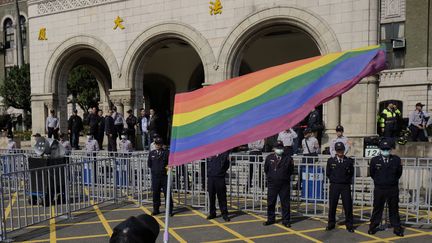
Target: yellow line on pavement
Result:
[[161, 223], [235, 233], [100, 215], [52, 226], [9, 207], [397, 238]]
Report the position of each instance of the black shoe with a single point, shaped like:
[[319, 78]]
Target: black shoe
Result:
[[286, 224], [211, 216], [398, 232], [155, 212], [329, 227], [226, 218], [350, 229], [373, 231], [266, 223]]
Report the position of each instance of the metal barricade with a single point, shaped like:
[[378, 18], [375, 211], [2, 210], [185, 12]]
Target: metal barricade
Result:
[[13, 162], [32, 196]]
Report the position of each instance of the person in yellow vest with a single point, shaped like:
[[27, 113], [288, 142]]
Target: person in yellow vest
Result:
[[388, 121]]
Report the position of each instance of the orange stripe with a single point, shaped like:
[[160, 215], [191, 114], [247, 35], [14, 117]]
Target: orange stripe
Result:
[[206, 96]]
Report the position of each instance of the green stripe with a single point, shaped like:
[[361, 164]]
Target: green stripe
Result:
[[279, 90]]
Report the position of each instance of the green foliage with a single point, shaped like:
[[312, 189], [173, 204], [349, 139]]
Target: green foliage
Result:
[[83, 87], [16, 88]]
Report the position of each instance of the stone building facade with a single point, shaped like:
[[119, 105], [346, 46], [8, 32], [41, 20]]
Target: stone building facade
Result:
[[144, 51], [406, 29], [8, 36]]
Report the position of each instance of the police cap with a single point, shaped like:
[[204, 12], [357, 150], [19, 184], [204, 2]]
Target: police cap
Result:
[[158, 141], [339, 128], [339, 146], [385, 144], [278, 145]]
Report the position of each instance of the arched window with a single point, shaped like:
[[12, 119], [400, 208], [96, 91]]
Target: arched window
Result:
[[23, 30], [9, 32]]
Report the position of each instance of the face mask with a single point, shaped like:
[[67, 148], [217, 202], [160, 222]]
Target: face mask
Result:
[[385, 153], [89, 137], [10, 139], [279, 151], [123, 137]]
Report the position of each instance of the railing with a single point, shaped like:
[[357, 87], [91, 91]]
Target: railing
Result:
[[32, 195]]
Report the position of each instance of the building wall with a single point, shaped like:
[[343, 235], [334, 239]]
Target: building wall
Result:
[[412, 83], [335, 25], [8, 9]]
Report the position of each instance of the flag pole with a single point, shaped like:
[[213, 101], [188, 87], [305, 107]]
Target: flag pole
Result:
[[167, 206]]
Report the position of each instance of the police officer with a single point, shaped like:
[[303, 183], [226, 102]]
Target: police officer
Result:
[[385, 170], [339, 138], [278, 167], [388, 121], [340, 171], [158, 162], [217, 167]]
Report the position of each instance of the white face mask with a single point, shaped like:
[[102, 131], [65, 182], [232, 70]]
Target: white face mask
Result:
[[123, 137], [279, 151], [89, 137], [10, 139]]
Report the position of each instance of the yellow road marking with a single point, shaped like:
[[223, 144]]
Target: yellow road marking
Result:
[[212, 225], [100, 216], [9, 207], [52, 226], [161, 223], [67, 238], [398, 238], [235, 233]]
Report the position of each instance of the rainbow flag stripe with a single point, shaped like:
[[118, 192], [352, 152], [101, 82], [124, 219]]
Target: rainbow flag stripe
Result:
[[216, 118]]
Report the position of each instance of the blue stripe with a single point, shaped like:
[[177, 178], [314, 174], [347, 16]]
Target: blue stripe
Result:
[[280, 106]]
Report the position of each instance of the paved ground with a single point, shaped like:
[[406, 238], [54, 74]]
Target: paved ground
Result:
[[189, 225]]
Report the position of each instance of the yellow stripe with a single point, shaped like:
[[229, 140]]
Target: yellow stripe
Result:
[[52, 226], [100, 216], [236, 234], [189, 117], [9, 207], [161, 223]]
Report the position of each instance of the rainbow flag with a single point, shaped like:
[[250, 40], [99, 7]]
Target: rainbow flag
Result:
[[216, 118]]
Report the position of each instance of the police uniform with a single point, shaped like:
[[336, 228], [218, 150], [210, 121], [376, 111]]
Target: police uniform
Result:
[[157, 162], [278, 169], [388, 121], [340, 172], [217, 167], [385, 172]]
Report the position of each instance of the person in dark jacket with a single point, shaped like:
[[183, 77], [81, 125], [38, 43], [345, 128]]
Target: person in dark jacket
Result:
[[101, 129], [278, 167], [386, 170], [75, 126], [315, 124], [340, 171], [110, 131], [131, 122], [158, 162], [217, 167], [93, 120], [153, 124]]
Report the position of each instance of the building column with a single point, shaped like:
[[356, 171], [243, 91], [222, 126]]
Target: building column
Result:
[[331, 117], [41, 104]]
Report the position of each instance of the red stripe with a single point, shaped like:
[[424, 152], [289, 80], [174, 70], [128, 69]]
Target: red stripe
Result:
[[263, 130], [187, 102]]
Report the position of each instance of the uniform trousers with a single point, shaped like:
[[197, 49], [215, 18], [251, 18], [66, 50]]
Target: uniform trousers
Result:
[[217, 186], [337, 190], [281, 189], [381, 196], [159, 182]]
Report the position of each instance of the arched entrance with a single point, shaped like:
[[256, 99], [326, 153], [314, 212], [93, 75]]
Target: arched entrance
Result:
[[168, 67], [270, 45], [91, 61]]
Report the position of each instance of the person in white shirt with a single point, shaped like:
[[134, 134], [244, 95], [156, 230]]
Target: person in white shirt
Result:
[[255, 150], [287, 138], [125, 144], [417, 123], [11, 145], [66, 144], [52, 125], [340, 138], [91, 145], [310, 144]]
